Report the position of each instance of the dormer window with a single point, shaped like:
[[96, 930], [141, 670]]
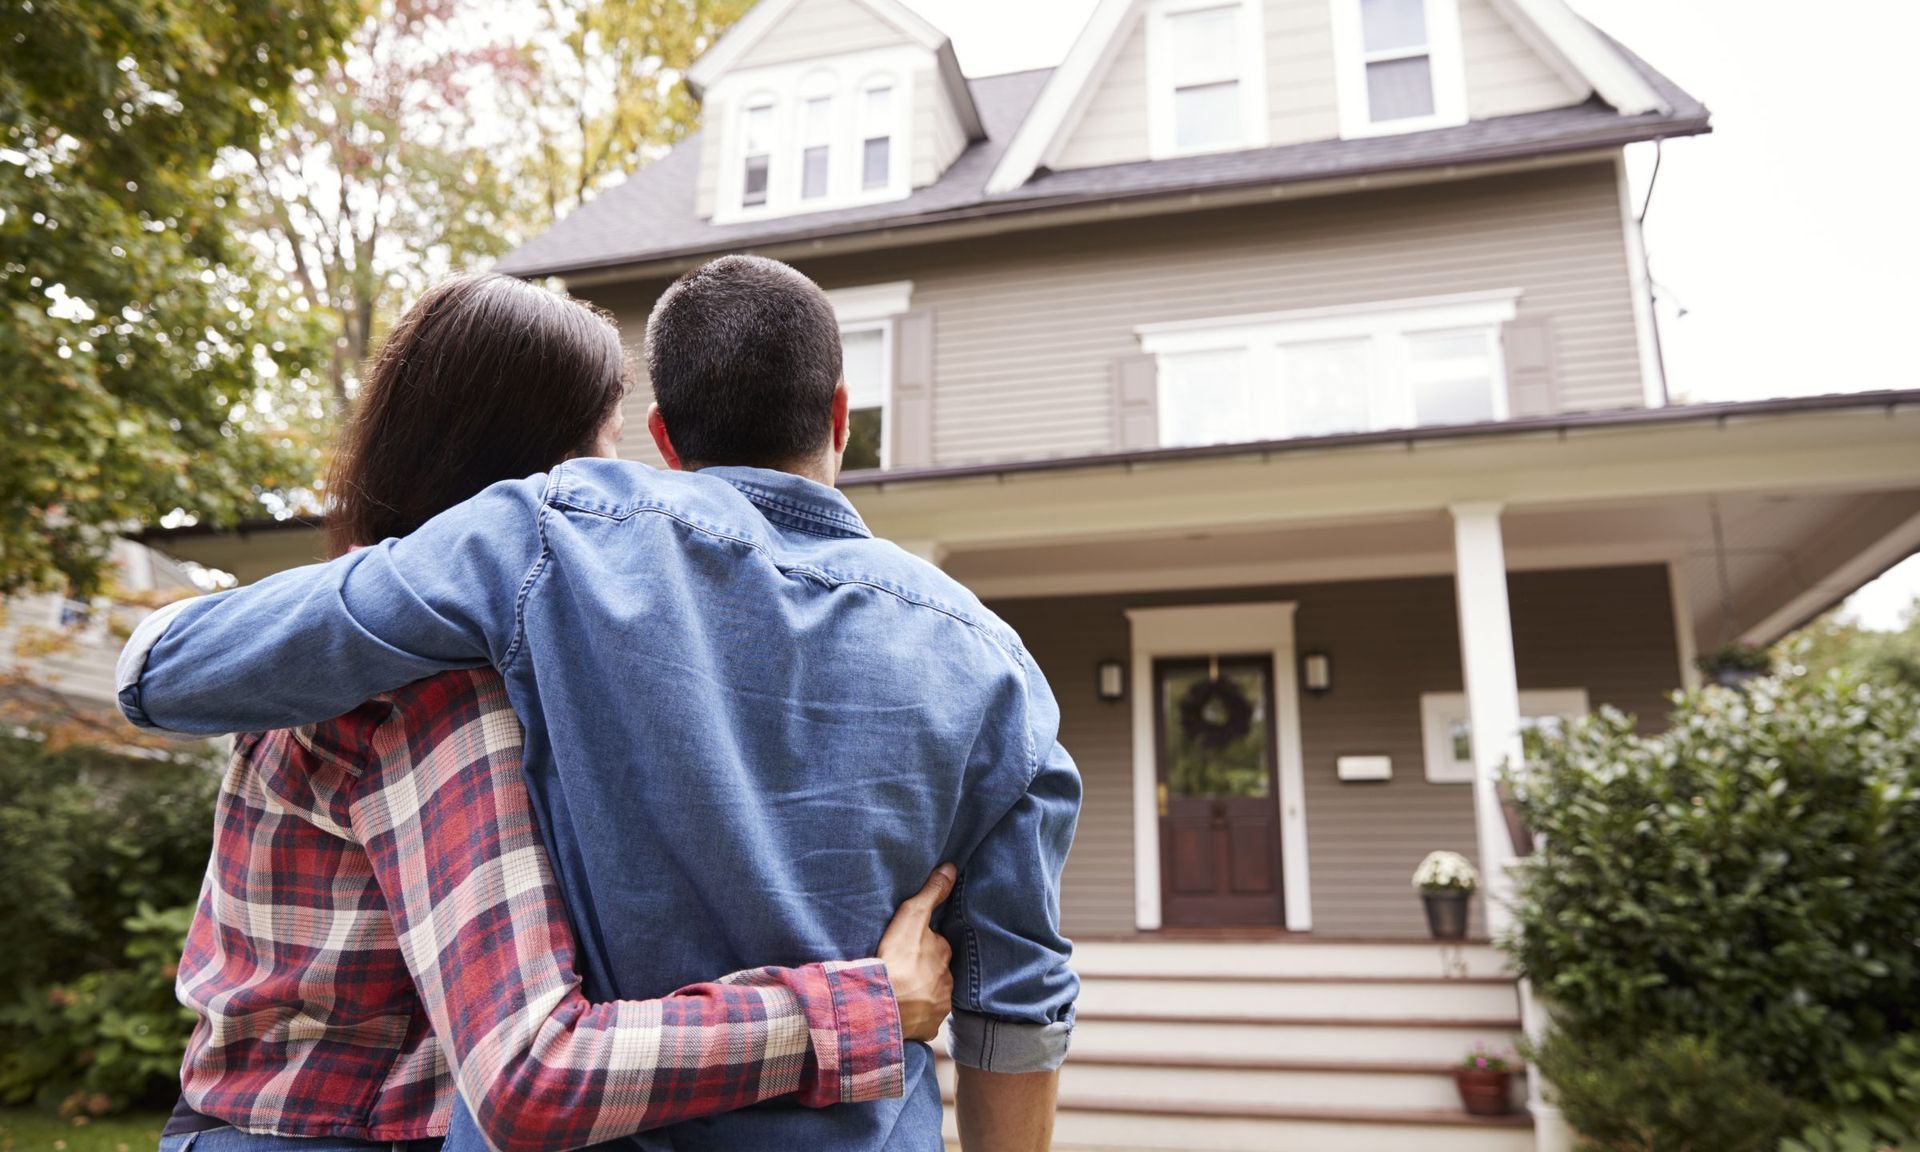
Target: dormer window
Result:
[[1206, 69], [876, 132], [756, 133], [1399, 65], [816, 143]]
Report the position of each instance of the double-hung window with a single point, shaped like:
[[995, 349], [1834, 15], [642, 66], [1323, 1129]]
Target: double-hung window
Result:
[[816, 147], [876, 138], [868, 316], [756, 134], [1332, 371], [1206, 68], [1399, 65]]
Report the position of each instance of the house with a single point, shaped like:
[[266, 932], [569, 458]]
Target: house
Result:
[[1286, 372]]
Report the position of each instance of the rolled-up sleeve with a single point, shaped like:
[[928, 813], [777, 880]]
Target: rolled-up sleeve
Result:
[[308, 644], [1014, 989]]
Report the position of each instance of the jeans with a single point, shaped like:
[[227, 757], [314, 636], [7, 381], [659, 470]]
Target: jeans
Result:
[[234, 1140]]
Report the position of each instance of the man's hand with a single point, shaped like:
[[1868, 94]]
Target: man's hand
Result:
[[919, 960]]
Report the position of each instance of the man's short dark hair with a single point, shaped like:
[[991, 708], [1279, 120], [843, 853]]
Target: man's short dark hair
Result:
[[744, 355]]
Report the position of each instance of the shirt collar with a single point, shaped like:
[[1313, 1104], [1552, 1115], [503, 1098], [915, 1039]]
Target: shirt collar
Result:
[[794, 501]]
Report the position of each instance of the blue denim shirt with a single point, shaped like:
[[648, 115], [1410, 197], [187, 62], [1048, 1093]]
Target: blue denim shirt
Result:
[[752, 731]]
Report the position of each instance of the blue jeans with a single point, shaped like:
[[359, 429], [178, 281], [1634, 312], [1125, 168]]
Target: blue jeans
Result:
[[234, 1140]]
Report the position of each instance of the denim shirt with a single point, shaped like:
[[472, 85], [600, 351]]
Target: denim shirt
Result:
[[752, 730]]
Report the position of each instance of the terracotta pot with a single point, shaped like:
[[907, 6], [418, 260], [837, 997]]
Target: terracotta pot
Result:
[[1446, 914], [1483, 1093]]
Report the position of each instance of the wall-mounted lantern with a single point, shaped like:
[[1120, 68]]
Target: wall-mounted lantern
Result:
[[1316, 673], [1111, 680]]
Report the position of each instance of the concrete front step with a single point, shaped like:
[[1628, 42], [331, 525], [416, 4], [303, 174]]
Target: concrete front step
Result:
[[1284, 959], [1235, 1083], [1425, 998], [1302, 1039], [1145, 1125]]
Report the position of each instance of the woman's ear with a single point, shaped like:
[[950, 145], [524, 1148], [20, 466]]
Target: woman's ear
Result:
[[657, 427]]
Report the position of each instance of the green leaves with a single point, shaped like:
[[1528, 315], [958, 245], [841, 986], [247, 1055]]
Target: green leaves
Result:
[[1750, 878]]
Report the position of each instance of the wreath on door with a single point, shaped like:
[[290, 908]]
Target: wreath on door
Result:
[[1216, 713]]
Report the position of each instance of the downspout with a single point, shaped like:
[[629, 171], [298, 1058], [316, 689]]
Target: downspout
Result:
[[1646, 269]]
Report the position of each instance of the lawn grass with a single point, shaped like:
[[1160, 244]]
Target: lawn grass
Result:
[[31, 1130]]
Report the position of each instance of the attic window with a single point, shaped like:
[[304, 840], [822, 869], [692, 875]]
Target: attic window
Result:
[[1206, 72], [757, 132], [1400, 67], [816, 141], [876, 132]]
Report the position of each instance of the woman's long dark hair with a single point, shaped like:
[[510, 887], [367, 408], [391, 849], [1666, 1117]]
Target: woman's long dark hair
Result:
[[486, 378]]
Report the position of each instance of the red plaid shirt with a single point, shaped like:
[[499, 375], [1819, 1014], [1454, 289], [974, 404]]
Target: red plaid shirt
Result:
[[379, 904]]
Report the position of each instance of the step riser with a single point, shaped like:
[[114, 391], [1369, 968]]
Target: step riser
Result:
[[1377, 1091], [1461, 1001], [1270, 959], [1113, 1132], [1386, 1045]]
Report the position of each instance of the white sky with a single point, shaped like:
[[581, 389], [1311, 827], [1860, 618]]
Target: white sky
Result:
[[1790, 236]]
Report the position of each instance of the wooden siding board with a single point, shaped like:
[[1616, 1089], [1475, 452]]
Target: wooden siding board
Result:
[[1606, 630], [1505, 76], [817, 29], [1112, 129]]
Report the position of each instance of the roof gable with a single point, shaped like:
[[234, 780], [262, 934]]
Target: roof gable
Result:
[[1589, 62], [745, 44]]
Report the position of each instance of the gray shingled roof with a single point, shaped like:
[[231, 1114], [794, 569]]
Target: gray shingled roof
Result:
[[652, 216]]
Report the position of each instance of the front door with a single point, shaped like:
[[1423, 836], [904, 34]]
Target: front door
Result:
[[1217, 763]]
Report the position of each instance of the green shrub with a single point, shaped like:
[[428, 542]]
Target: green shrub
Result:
[[91, 845], [1664, 1094], [1750, 878]]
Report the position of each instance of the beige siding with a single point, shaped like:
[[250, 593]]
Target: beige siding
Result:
[[1030, 325], [1609, 631], [707, 193], [820, 28], [1113, 127], [1505, 76], [947, 137]]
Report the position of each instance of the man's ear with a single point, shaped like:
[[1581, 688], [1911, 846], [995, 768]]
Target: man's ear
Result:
[[842, 419], [657, 427]]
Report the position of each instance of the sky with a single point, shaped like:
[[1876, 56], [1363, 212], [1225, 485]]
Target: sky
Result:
[[1786, 244]]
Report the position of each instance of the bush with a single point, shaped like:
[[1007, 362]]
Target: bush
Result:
[[1664, 1094], [101, 859], [1749, 879]]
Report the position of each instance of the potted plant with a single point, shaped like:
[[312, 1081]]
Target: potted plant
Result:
[[1445, 880], [1734, 665], [1482, 1078]]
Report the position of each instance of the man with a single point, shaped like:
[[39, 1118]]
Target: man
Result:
[[752, 729]]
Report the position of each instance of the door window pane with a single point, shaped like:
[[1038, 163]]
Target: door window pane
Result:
[[1203, 398], [863, 362], [1389, 24], [1216, 731], [1206, 116], [1400, 89], [1452, 376], [1327, 384]]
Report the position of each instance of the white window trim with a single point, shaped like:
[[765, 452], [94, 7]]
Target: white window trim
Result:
[[876, 308], [1255, 129], [1263, 336], [787, 88], [1440, 711], [1443, 51]]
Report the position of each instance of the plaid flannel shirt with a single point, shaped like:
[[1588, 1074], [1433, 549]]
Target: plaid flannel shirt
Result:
[[380, 903]]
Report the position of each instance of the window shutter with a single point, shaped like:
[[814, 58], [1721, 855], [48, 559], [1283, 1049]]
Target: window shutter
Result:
[[1532, 385], [912, 429], [1136, 403]]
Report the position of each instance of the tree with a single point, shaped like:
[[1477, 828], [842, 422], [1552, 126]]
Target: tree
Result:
[[135, 331], [607, 92]]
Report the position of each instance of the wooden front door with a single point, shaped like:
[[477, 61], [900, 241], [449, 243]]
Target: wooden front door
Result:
[[1219, 819]]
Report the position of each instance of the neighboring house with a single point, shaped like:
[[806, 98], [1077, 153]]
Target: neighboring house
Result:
[[1286, 372]]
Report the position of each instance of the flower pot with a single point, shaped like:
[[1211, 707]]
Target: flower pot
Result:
[[1735, 678], [1482, 1092], [1446, 914]]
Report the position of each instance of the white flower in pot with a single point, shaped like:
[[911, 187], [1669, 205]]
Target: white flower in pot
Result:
[[1445, 881]]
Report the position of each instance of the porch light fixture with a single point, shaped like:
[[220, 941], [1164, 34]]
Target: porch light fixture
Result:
[[1316, 673], [1111, 680]]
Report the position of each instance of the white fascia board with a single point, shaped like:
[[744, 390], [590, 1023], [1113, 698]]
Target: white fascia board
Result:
[[1582, 55], [750, 29], [870, 302], [1065, 94]]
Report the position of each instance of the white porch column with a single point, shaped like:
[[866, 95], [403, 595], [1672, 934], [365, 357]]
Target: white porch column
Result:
[[1493, 689]]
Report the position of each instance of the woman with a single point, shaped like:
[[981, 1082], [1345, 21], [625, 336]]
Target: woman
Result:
[[380, 920]]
